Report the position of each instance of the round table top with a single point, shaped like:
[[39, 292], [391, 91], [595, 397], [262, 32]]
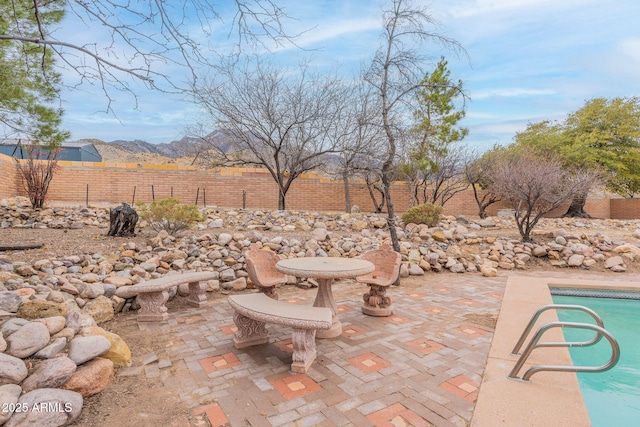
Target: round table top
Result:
[[324, 267]]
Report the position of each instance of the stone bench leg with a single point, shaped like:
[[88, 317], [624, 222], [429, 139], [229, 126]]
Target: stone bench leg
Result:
[[152, 308], [250, 332], [376, 302], [197, 294], [304, 349]]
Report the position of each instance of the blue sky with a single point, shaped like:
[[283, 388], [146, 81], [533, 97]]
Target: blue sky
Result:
[[529, 60]]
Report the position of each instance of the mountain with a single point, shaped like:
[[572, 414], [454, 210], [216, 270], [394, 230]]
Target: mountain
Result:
[[186, 146], [172, 149]]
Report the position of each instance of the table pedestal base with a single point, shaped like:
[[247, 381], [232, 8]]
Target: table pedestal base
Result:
[[336, 330], [324, 298]]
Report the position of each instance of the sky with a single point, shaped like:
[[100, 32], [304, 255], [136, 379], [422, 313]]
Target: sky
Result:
[[528, 61]]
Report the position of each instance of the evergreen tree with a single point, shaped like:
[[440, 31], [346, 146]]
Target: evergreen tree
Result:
[[28, 81]]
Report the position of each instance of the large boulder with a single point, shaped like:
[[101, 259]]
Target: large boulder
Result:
[[12, 369], [27, 340], [83, 349], [101, 309], [51, 373], [10, 301], [9, 394], [37, 308], [92, 377], [48, 407], [119, 352]]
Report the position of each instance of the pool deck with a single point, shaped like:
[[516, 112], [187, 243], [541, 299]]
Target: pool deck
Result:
[[423, 366]]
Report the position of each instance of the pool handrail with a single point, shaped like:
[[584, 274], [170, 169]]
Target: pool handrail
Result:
[[544, 308], [533, 344]]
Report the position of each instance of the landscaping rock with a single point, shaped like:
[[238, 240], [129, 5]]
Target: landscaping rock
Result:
[[60, 407], [38, 308], [12, 369], [10, 301], [27, 340], [55, 347], [82, 349], [92, 377], [50, 373], [9, 394], [100, 308], [118, 353], [54, 324]]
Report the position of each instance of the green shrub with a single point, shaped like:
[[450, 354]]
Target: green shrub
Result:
[[169, 214], [423, 214]]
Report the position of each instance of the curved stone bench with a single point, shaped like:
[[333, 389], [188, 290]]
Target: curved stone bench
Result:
[[253, 311], [153, 294]]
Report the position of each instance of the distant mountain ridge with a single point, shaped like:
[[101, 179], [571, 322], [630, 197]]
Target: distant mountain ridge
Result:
[[184, 147]]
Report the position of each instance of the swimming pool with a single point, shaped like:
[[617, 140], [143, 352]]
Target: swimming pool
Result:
[[611, 397]]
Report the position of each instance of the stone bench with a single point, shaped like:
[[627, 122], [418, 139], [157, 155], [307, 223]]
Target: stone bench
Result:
[[253, 311], [153, 294]]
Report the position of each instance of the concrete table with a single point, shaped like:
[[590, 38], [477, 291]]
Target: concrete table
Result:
[[325, 269]]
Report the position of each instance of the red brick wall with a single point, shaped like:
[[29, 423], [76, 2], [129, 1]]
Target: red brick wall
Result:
[[116, 182], [625, 208], [8, 186]]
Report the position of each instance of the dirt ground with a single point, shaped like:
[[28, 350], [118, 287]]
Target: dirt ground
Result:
[[132, 397]]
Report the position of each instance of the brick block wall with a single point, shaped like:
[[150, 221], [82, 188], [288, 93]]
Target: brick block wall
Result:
[[625, 208], [8, 179], [115, 183]]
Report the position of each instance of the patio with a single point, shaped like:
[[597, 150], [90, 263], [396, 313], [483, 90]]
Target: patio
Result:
[[421, 366]]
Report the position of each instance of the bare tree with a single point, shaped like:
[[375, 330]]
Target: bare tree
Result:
[[283, 121], [396, 73], [535, 185], [446, 178], [141, 40], [478, 170], [362, 144], [36, 172]]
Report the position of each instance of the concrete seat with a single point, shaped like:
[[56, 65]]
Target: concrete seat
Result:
[[153, 294], [261, 267], [254, 311], [387, 264]]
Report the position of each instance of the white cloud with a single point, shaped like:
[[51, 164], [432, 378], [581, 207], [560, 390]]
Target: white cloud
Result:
[[511, 93]]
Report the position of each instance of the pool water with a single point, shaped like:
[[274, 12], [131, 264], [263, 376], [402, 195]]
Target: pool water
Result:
[[612, 397]]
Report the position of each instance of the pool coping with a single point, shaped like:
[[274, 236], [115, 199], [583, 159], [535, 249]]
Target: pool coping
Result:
[[550, 398]]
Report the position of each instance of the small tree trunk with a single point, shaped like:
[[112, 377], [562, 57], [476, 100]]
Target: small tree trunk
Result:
[[123, 220], [347, 194], [576, 209]]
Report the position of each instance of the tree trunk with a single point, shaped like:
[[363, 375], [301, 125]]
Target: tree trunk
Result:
[[347, 194], [123, 220], [576, 209]]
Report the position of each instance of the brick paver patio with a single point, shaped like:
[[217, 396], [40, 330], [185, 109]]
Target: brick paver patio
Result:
[[421, 366]]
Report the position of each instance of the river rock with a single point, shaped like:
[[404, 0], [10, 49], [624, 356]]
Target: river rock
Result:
[[575, 260], [90, 290], [12, 369], [10, 301], [9, 394], [38, 308], [55, 347], [92, 377], [82, 349], [12, 325], [118, 281], [51, 373], [54, 324], [101, 309], [118, 353], [48, 407], [28, 340], [613, 261]]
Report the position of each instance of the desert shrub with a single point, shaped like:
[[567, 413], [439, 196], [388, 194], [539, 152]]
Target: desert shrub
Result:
[[427, 213], [169, 214]]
